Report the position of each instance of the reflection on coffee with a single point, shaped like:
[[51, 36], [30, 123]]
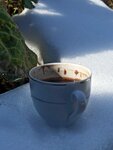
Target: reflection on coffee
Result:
[[61, 79]]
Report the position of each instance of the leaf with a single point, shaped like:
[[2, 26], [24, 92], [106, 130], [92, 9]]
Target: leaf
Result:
[[28, 4], [16, 59]]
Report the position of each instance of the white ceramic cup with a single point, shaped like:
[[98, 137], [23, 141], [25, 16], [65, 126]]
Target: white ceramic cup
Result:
[[60, 103]]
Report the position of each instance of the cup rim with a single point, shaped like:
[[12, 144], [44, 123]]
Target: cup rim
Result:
[[61, 83]]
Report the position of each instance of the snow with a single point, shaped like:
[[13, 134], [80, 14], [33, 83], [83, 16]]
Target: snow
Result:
[[76, 31], [67, 28]]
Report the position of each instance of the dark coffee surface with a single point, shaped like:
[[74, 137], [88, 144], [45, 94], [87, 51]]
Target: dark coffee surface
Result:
[[61, 80]]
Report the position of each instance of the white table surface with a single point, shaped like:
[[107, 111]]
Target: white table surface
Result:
[[20, 125]]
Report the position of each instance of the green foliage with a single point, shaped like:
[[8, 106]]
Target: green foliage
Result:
[[15, 57], [17, 6], [29, 3]]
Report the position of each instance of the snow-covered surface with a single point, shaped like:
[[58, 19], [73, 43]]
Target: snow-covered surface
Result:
[[68, 28], [77, 31]]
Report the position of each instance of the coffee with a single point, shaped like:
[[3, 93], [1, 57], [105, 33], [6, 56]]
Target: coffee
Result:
[[61, 79]]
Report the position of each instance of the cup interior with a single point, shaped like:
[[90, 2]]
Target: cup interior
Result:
[[60, 70]]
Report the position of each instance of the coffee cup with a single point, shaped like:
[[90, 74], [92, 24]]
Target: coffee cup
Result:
[[60, 91]]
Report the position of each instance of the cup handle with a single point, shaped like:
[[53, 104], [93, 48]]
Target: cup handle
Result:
[[78, 103]]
